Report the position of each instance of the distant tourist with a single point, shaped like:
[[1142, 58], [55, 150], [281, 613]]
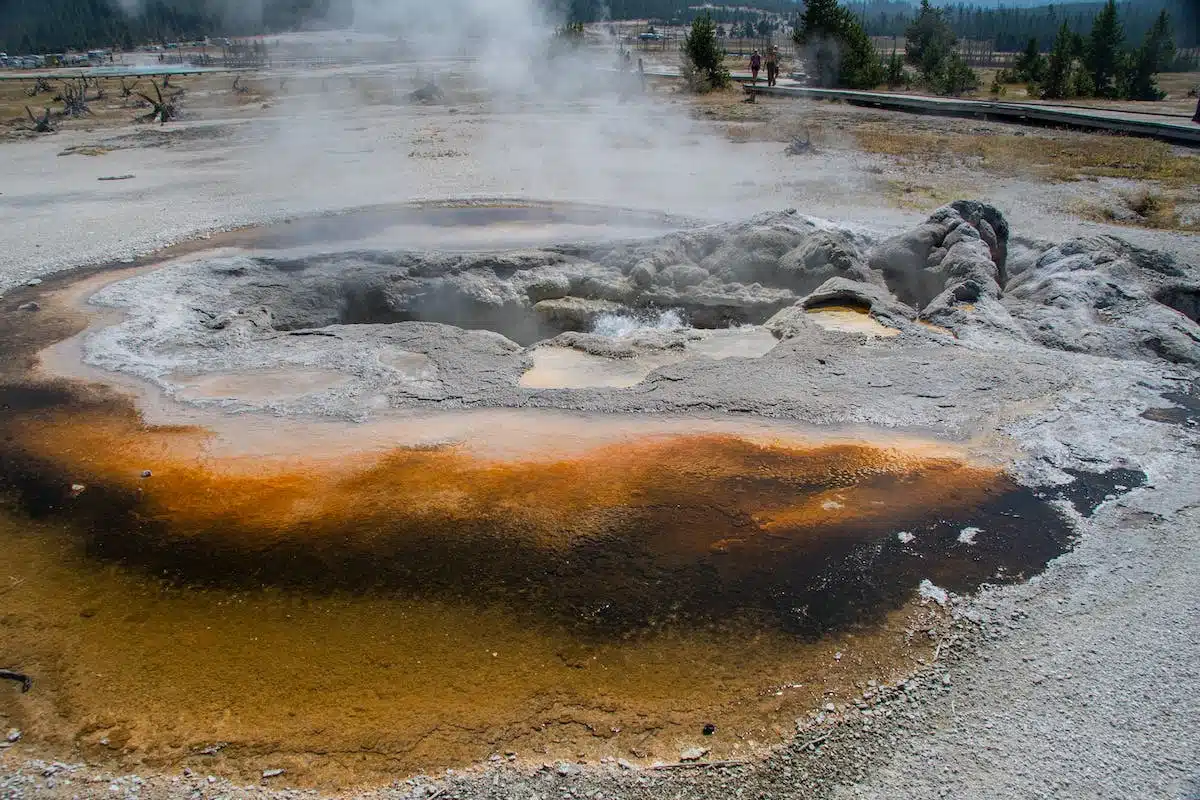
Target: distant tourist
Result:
[[755, 65], [642, 74], [772, 65]]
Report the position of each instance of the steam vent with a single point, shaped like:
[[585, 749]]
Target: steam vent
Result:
[[366, 497]]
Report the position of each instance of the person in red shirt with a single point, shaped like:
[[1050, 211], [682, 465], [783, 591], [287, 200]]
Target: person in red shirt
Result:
[[755, 65]]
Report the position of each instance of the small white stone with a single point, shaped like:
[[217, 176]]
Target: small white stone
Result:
[[929, 591], [967, 535]]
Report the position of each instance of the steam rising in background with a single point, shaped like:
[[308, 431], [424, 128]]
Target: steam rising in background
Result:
[[532, 117]]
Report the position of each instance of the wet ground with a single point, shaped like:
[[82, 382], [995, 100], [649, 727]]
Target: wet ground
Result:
[[1184, 408], [430, 608], [427, 607]]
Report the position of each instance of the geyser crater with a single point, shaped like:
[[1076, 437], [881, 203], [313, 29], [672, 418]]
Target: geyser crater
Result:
[[613, 569]]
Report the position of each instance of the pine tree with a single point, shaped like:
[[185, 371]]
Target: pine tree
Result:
[[930, 45], [1030, 65], [929, 41], [704, 55], [1058, 67], [1105, 57], [895, 70], [840, 51], [820, 18], [1157, 50], [955, 76]]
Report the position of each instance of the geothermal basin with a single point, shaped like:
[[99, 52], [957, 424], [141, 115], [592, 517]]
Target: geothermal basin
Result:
[[369, 496]]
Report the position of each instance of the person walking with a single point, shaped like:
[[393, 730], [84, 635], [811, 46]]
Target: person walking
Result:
[[642, 74], [755, 65], [772, 65]]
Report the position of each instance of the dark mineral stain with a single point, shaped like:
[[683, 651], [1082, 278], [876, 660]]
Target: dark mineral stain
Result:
[[1089, 489], [687, 528], [1186, 410]]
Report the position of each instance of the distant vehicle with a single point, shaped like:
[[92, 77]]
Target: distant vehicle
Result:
[[651, 37]]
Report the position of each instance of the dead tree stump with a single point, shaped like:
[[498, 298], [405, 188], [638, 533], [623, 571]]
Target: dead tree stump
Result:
[[42, 125], [165, 108]]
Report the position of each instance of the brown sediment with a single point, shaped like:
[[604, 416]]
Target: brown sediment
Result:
[[847, 317], [691, 522], [354, 620], [348, 689]]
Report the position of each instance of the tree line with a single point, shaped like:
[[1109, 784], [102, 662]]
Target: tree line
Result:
[[44, 26], [1010, 29], [1102, 63], [53, 26]]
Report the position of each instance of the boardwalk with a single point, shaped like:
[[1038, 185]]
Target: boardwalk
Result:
[[1169, 127]]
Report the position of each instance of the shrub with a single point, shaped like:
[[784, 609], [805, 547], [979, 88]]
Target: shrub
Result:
[[703, 69], [956, 76]]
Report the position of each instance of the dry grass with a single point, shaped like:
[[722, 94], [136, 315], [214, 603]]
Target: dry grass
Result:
[[919, 196], [728, 105], [783, 131], [202, 92], [1142, 207], [1165, 177], [111, 110], [1050, 158]]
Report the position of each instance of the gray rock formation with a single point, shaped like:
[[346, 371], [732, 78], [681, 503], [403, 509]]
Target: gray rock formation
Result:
[[823, 255], [874, 299], [1103, 296], [416, 326], [963, 246]]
